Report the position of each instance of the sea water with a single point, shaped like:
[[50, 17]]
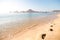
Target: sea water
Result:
[[11, 17]]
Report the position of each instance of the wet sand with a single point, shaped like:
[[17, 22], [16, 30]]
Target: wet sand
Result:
[[34, 29]]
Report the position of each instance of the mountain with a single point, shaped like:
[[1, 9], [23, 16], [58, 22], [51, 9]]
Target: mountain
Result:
[[56, 10], [30, 11]]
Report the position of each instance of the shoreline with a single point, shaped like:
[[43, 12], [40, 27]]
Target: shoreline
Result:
[[35, 33], [32, 25]]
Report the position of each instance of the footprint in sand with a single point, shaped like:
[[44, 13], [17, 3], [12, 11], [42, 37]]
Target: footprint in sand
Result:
[[51, 29], [51, 26], [43, 36]]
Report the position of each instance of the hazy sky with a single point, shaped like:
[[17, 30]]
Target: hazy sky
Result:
[[12, 5]]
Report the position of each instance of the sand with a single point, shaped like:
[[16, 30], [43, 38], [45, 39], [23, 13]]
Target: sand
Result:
[[35, 30]]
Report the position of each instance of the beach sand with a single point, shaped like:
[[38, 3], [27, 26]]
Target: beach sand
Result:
[[33, 30]]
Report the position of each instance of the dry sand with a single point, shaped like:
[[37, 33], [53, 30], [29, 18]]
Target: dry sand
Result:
[[35, 30]]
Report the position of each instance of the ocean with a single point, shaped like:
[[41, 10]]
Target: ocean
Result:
[[11, 17]]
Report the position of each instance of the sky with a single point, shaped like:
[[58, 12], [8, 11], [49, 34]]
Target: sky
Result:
[[42, 5]]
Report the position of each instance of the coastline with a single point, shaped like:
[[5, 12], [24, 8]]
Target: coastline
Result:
[[14, 32], [35, 33]]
